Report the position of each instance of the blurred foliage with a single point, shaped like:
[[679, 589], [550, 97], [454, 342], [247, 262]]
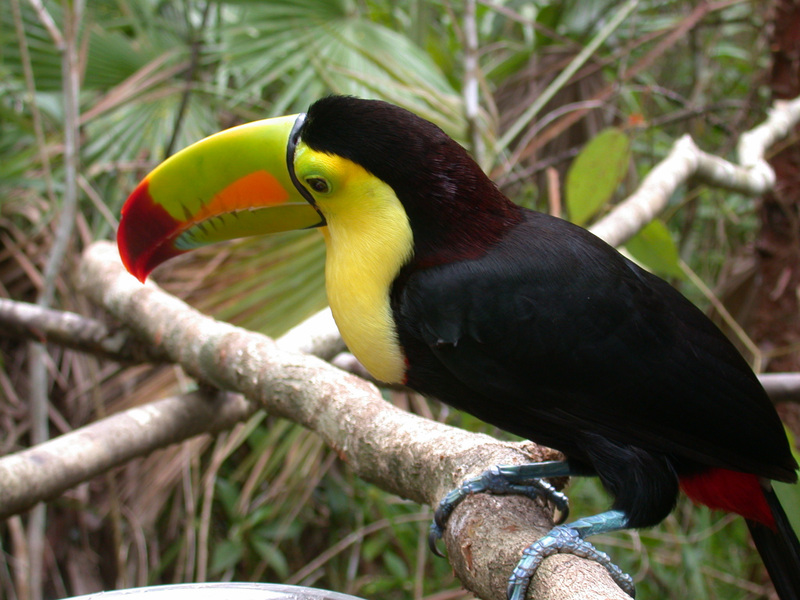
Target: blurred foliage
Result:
[[267, 501], [595, 174]]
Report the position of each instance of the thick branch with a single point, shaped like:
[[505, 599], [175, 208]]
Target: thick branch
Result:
[[402, 453], [48, 469]]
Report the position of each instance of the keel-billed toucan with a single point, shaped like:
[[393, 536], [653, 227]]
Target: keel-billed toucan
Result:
[[439, 282]]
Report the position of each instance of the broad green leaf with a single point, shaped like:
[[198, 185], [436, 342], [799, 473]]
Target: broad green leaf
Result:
[[304, 50], [374, 546], [270, 554], [227, 494], [226, 554], [789, 494], [654, 247], [395, 565], [595, 174], [273, 283]]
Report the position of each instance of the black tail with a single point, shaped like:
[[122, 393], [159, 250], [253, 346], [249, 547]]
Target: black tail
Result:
[[779, 549]]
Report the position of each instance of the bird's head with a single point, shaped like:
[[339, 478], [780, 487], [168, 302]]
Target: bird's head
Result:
[[300, 171]]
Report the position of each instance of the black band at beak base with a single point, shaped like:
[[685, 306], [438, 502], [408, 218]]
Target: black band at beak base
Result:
[[291, 146]]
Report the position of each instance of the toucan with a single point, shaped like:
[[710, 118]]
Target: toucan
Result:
[[439, 282]]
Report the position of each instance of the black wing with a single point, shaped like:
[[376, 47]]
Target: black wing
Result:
[[553, 335]]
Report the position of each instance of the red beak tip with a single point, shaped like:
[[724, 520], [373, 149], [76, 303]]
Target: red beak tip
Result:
[[144, 233], [134, 268]]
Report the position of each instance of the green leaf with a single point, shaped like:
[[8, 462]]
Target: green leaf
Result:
[[654, 247], [789, 494], [306, 49], [373, 546], [595, 174], [228, 495], [395, 565], [226, 554], [270, 554]]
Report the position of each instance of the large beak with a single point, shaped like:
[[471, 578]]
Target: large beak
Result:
[[236, 183]]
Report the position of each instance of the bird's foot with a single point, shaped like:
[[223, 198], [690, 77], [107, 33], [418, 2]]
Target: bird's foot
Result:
[[502, 479], [563, 539]]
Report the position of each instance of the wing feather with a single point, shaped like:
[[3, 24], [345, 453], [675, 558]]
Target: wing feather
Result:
[[553, 334]]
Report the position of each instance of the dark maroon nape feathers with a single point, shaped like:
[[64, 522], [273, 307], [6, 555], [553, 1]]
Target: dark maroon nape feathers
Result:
[[455, 210]]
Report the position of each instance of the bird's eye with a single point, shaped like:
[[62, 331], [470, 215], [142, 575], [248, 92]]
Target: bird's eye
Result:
[[318, 184]]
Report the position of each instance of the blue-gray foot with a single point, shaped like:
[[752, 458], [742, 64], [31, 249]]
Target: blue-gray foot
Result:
[[570, 539], [524, 480]]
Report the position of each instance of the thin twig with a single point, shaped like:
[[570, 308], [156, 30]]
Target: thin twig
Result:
[[33, 322], [686, 25], [48, 22], [565, 75], [738, 330]]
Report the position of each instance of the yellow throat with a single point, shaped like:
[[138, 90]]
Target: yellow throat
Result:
[[368, 239]]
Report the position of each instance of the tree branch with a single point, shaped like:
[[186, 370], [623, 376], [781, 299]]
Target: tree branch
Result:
[[400, 452], [48, 469], [781, 387], [316, 335], [32, 322], [754, 176]]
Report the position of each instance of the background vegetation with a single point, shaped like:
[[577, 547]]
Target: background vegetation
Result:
[[93, 96]]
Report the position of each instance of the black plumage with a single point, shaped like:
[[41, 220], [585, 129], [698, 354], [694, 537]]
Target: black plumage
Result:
[[556, 337], [540, 328]]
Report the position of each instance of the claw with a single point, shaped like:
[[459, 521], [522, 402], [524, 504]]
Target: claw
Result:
[[502, 480], [569, 539], [528, 480], [556, 498], [434, 535]]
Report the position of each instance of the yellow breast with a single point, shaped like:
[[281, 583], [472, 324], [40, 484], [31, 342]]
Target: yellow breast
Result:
[[368, 240]]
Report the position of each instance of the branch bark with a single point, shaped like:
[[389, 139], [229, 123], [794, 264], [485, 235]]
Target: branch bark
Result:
[[753, 176], [400, 452], [48, 469], [781, 387], [317, 335], [32, 322]]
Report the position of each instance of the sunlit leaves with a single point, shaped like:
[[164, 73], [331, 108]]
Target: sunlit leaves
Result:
[[654, 248], [596, 173]]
